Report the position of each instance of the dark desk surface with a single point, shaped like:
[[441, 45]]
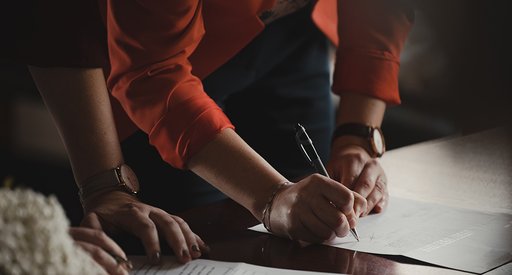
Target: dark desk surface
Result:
[[470, 171], [223, 226]]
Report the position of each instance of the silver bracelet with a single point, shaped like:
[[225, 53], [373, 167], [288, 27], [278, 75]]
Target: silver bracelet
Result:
[[268, 207]]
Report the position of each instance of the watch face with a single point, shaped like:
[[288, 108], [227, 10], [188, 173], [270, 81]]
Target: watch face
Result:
[[129, 178], [378, 142]]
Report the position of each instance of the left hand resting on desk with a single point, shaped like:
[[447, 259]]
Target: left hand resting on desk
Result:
[[353, 167], [118, 211], [100, 247]]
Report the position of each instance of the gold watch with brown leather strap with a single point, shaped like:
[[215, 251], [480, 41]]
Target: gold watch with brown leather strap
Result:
[[120, 178], [371, 135]]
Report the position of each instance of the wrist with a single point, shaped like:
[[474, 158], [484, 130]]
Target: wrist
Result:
[[342, 143], [121, 178], [365, 136], [267, 211]]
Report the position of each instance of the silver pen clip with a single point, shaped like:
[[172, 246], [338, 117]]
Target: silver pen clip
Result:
[[302, 149]]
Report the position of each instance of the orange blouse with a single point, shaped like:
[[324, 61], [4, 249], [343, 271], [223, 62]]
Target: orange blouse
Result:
[[161, 49]]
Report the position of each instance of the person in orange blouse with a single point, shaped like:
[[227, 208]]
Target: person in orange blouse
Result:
[[66, 66], [187, 72]]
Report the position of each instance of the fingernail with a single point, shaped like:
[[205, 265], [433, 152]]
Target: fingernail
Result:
[[129, 264], [155, 258], [119, 259], [195, 248], [185, 254], [377, 209], [126, 263]]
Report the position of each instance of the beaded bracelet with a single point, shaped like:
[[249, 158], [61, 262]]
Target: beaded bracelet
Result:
[[270, 202]]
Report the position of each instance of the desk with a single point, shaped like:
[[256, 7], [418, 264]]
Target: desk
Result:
[[469, 171]]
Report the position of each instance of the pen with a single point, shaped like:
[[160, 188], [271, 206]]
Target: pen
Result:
[[309, 152]]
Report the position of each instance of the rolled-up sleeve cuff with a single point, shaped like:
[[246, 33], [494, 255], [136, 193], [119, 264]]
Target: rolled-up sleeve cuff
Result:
[[369, 72], [178, 139]]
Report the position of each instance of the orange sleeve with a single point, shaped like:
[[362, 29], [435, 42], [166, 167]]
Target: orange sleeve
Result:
[[371, 36], [149, 45]]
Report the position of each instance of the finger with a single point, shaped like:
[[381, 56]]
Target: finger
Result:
[[91, 220], [190, 237], [202, 245], [376, 195], [366, 181], [380, 206], [352, 219], [344, 227], [338, 194], [140, 225], [360, 205], [298, 231], [316, 226], [338, 222], [172, 232], [328, 213], [351, 167], [98, 238], [106, 261]]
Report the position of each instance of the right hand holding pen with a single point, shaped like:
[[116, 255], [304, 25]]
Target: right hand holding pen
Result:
[[315, 209], [121, 211]]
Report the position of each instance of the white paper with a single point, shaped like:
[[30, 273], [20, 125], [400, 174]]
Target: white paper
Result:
[[170, 266], [502, 270], [472, 172], [451, 237]]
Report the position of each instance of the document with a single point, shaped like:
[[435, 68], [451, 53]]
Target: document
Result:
[[456, 238], [472, 171], [171, 266]]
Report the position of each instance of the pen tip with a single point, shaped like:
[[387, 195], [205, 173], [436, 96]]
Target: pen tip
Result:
[[355, 234], [298, 126]]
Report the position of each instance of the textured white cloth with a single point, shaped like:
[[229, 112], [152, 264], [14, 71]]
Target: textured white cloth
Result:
[[34, 237]]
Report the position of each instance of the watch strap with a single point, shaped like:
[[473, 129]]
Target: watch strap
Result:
[[102, 182], [353, 129], [365, 132]]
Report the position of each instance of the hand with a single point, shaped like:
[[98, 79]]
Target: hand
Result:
[[100, 247], [353, 167], [121, 211], [315, 209]]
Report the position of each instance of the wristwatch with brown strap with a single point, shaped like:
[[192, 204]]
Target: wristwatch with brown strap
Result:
[[371, 135], [121, 178]]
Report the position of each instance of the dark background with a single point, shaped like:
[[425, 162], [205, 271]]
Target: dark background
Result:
[[455, 79]]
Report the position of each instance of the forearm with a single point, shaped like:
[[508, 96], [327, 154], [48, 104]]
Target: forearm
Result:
[[79, 104], [358, 108], [232, 166], [361, 109]]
